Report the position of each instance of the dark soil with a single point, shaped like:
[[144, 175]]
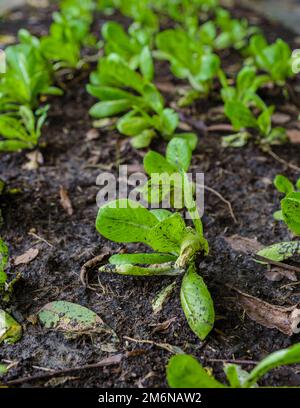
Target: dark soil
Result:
[[243, 176]]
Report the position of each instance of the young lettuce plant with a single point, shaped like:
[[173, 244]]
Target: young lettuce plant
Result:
[[175, 244], [184, 371], [122, 90], [239, 102], [275, 59], [290, 215], [134, 50], [189, 60]]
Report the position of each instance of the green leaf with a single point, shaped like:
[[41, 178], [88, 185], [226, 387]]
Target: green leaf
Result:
[[71, 318], [184, 371], [283, 184], [132, 125], [167, 235], [161, 214], [125, 221], [140, 259], [191, 138], [179, 153], [153, 98], [146, 64], [12, 128], [3, 262], [169, 121], [10, 329], [239, 115], [281, 252], [164, 269], [290, 207], [197, 303], [110, 108], [156, 163], [235, 375], [144, 139], [287, 356]]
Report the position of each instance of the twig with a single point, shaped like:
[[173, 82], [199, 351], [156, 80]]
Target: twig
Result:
[[232, 361], [282, 161], [113, 360], [165, 346], [277, 263], [41, 239], [228, 203]]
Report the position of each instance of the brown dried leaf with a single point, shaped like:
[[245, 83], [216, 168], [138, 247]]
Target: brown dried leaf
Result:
[[294, 135], [244, 244], [35, 159], [92, 134], [221, 127], [27, 257], [65, 201], [279, 118], [284, 319], [159, 327], [276, 274]]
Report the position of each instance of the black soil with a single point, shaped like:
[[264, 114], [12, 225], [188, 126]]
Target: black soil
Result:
[[243, 176]]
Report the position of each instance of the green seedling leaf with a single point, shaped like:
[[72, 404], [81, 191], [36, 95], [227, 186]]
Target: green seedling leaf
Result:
[[184, 371], [179, 153], [290, 207], [110, 108], [10, 329], [197, 304], [3, 370], [141, 259], [71, 318], [283, 184], [287, 356], [161, 214], [168, 235], [146, 63], [166, 269], [156, 163], [240, 115], [144, 139], [281, 252], [3, 263], [125, 221], [235, 375], [190, 138]]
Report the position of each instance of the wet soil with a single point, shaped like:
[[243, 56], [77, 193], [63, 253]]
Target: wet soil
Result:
[[35, 218]]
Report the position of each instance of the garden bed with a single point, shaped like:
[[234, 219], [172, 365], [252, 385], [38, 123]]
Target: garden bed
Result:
[[34, 218]]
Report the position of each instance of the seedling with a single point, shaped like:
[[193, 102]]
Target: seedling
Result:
[[274, 59], [134, 50], [22, 130], [122, 90], [189, 60], [290, 205], [240, 103], [175, 244], [184, 371]]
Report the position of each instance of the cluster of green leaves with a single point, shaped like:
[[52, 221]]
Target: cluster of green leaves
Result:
[[31, 65], [184, 371], [133, 49], [290, 204], [175, 244], [68, 33], [122, 90], [189, 60], [275, 59], [241, 104]]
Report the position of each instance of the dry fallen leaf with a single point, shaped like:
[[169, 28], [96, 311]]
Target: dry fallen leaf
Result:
[[159, 327], [65, 201], [243, 244], [279, 118], [92, 134], [35, 159], [294, 135], [27, 257], [284, 319], [7, 39], [276, 274]]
